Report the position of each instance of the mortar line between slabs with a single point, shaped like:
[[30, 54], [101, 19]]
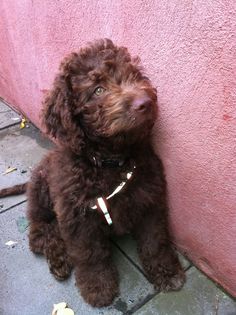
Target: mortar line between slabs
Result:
[[11, 125], [129, 259], [5, 111], [138, 306], [13, 206]]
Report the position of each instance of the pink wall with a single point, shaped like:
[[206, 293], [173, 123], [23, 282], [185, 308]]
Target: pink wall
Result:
[[187, 48]]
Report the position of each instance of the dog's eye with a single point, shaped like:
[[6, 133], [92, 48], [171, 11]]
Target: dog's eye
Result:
[[99, 90]]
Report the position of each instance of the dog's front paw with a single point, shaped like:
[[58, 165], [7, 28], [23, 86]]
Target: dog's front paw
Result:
[[59, 262], [168, 281], [99, 288], [99, 296], [164, 270], [61, 268]]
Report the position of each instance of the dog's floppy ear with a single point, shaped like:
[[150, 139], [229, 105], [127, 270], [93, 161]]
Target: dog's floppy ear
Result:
[[59, 107]]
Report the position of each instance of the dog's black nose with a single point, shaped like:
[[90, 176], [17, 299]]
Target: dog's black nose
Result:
[[141, 104]]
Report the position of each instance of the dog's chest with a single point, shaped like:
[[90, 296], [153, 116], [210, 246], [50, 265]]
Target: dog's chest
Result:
[[108, 188], [107, 181]]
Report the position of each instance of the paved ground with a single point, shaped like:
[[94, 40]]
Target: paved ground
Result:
[[27, 287]]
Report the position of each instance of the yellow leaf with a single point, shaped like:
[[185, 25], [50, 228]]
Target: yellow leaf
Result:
[[22, 124]]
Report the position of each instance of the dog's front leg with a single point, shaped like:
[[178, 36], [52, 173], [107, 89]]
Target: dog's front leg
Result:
[[87, 242], [159, 260], [150, 228]]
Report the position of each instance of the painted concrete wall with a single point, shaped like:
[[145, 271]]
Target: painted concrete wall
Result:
[[187, 48]]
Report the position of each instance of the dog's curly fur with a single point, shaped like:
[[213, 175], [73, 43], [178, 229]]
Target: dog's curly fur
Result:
[[101, 107]]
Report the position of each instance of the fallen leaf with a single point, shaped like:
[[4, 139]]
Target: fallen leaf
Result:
[[62, 309], [10, 243], [57, 307], [9, 170], [22, 224], [65, 311], [22, 124]]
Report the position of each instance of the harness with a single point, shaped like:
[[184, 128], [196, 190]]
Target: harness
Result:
[[100, 204]]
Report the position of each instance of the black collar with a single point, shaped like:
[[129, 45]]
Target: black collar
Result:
[[108, 162]]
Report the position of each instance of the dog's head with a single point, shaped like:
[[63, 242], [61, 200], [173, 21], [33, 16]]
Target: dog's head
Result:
[[99, 93]]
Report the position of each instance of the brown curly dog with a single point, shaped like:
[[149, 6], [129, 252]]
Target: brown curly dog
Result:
[[101, 111]]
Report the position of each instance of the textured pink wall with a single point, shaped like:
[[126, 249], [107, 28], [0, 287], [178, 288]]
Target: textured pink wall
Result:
[[187, 48]]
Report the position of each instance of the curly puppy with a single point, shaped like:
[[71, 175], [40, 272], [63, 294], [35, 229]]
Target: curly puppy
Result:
[[104, 177]]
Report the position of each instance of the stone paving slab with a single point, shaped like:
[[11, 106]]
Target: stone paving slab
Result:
[[7, 116], [21, 149], [29, 289], [200, 296]]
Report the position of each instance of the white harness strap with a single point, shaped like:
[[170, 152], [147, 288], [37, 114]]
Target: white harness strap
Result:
[[101, 201]]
